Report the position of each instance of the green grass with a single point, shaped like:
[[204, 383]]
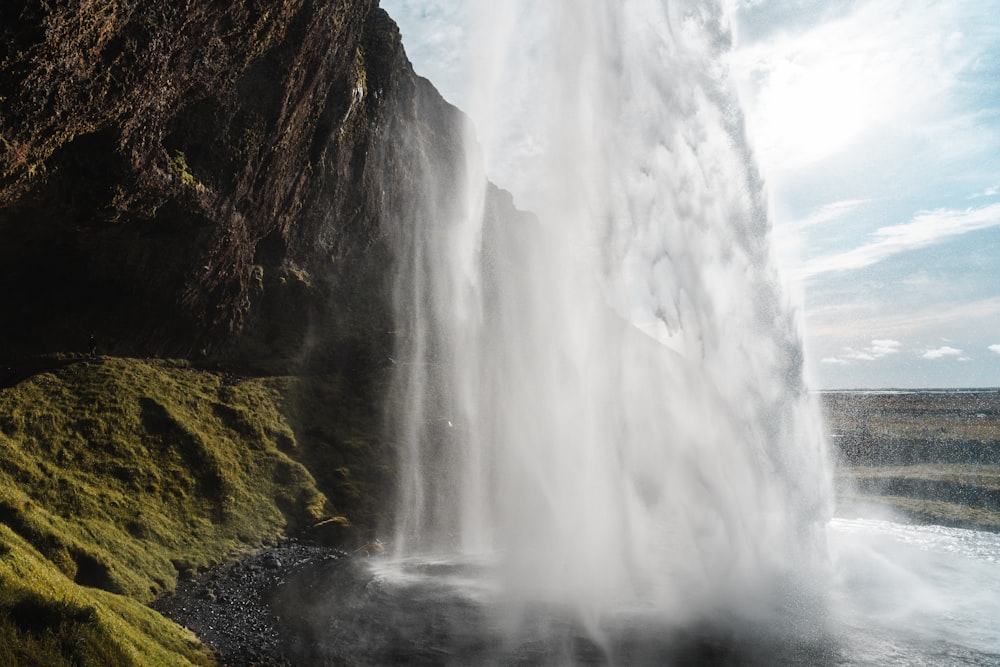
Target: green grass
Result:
[[119, 476], [965, 496], [337, 425], [46, 619], [985, 477]]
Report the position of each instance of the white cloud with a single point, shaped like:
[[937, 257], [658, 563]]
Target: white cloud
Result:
[[988, 192], [815, 91], [788, 237], [842, 322], [884, 347], [995, 348], [826, 213], [879, 348], [941, 352], [925, 229]]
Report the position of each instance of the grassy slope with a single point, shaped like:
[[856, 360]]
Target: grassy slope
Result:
[[964, 496], [118, 476]]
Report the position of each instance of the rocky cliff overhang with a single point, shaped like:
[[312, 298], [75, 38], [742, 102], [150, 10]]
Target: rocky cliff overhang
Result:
[[192, 179]]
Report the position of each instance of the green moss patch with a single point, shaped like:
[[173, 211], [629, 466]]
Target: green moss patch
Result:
[[181, 172], [47, 619], [337, 424], [118, 476]]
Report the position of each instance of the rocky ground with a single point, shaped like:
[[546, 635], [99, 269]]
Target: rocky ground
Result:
[[227, 608], [925, 457]]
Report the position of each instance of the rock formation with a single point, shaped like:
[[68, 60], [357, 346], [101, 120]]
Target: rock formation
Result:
[[207, 180], [219, 183]]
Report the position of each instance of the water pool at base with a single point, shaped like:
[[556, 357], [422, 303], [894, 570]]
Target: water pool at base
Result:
[[898, 594]]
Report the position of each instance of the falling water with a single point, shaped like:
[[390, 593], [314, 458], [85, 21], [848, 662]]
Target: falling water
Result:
[[608, 393], [608, 455], [604, 398]]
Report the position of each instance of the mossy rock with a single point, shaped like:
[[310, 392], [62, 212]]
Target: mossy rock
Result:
[[118, 476], [47, 619]]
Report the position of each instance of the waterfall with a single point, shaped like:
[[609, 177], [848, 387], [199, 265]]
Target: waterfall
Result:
[[605, 394]]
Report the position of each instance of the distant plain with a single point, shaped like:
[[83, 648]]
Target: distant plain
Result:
[[929, 456]]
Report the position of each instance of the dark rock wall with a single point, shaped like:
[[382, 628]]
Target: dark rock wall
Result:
[[206, 178]]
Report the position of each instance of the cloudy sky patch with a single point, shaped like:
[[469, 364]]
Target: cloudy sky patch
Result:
[[818, 88], [925, 229], [876, 124]]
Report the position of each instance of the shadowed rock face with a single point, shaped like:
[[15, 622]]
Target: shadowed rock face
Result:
[[212, 180], [206, 178]]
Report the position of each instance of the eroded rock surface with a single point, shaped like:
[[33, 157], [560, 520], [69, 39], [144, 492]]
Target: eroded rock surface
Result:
[[196, 179]]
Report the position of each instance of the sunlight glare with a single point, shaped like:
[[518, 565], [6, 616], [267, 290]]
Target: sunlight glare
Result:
[[811, 111]]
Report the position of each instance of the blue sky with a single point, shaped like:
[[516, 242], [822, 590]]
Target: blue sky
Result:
[[876, 124]]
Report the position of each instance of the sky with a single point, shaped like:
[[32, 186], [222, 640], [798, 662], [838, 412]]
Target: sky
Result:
[[876, 125]]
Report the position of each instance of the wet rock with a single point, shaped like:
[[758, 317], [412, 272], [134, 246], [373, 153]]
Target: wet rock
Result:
[[219, 180], [227, 607], [333, 532], [374, 548]]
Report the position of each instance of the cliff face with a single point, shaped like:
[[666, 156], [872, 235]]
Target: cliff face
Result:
[[195, 179], [218, 181]]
